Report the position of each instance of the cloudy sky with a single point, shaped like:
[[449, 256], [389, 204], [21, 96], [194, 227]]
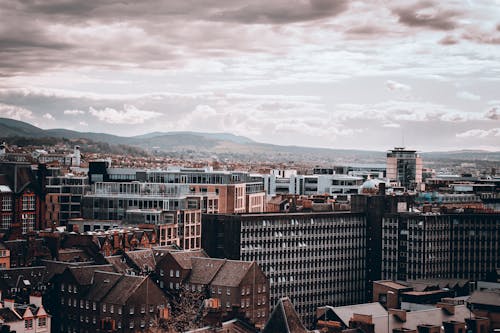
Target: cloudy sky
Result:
[[328, 73]]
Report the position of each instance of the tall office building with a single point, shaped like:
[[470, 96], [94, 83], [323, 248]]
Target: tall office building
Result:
[[314, 258], [405, 167], [430, 246]]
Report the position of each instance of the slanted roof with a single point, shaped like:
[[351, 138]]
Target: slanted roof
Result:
[[491, 297], [83, 275], [8, 316], [102, 283], [204, 270], [284, 319], [123, 289], [344, 313], [142, 259], [183, 258], [12, 277], [5, 189], [231, 273], [119, 264], [392, 284]]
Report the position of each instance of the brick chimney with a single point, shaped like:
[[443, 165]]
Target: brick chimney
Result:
[[36, 300], [9, 303]]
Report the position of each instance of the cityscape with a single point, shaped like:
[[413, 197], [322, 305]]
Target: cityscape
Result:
[[305, 166]]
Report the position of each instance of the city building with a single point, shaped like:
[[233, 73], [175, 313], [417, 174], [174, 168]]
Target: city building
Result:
[[238, 191], [283, 183], [95, 299], [315, 258], [372, 317], [404, 167], [22, 208], [63, 198], [433, 245], [172, 208], [239, 287], [25, 318]]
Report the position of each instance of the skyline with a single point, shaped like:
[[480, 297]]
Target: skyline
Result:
[[343, 74]]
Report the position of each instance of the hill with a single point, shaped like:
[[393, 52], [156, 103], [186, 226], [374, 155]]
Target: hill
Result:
[[227, 145]]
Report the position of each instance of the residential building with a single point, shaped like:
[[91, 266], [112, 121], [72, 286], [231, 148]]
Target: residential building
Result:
[[314, 258], [239, 287], [95, 299], [25, 318], [22, 208]]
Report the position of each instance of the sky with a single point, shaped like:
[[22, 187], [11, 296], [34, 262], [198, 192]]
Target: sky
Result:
[[324, 73]]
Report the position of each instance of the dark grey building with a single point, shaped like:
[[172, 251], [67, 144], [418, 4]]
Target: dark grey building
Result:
[[430, 246], [313, 258]]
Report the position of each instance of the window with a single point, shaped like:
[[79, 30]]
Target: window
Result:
[[62, 286], [119, 310], [177, 273], [228, 291], [42, 322], [112, 308], [28, 324], [104, 308], [228, 305], [151, 308], [131, 311], [7, 203], [143, 308], [131, 324], [94, 306], [171, 273]]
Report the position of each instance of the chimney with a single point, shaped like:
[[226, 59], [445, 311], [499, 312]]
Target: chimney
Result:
[[381, 188], [36, 300], [9, 303]]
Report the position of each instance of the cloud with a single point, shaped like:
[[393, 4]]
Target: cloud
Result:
[[74, 112], [48, 116], [15, 112], [129, 115], [479, 133], [396, 86], [449, 40], [280, 12], [83, 123], [493, 114], [468, 96], [427, 14], [391, 125]]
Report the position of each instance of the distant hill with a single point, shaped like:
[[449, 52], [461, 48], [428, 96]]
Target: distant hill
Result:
[[226, 144]]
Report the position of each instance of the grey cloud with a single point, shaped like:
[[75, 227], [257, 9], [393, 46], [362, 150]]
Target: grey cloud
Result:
[[366, 30], [449, 40], [280, 12], [493, 114], [483, 37], [427, 14]]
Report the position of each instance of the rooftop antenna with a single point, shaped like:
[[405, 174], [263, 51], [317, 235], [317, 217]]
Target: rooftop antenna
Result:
[[402, 137]]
